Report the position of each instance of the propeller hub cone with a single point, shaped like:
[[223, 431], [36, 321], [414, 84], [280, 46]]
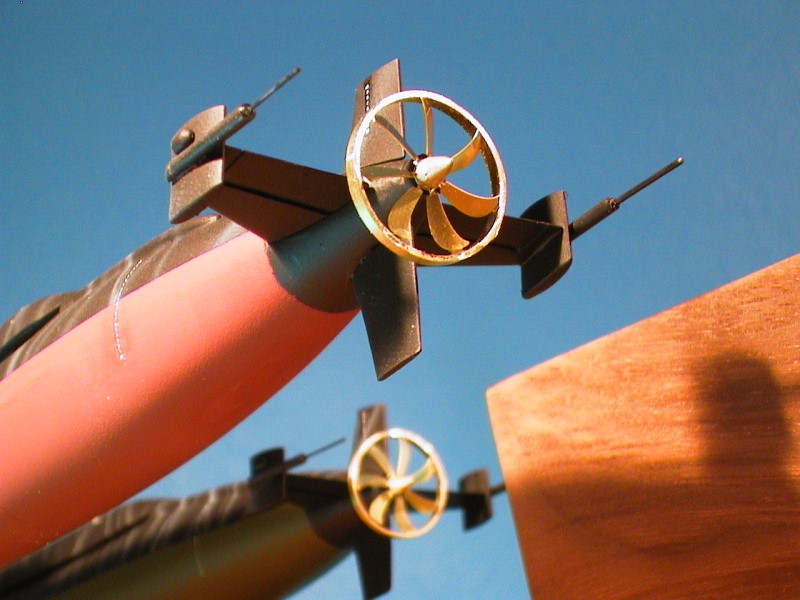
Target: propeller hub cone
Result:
[[399, 484], [431, 171]]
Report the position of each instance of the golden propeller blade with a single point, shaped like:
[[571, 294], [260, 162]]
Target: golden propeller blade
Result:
[[465, 156], [441, 229], [379, 456], [427, 112], [399, 220], [382, 171], [370, 480], [468, 203], [380, 506], [401, 515], [396, 135], [427, 471], [403, 456], [419, 503]]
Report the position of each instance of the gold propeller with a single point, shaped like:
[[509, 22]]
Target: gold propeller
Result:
[[427, 174], [386, 499]]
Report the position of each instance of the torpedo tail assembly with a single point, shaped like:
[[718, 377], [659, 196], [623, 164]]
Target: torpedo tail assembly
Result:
[[261, 538], [107, 389]]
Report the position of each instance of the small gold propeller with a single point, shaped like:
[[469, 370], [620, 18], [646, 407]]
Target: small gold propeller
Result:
[[386, 494], [386, 195]]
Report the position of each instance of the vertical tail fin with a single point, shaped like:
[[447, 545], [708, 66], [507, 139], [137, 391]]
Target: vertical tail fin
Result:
[[373, 551]]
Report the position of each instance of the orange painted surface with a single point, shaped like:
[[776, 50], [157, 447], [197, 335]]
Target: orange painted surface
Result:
[[144, 385]]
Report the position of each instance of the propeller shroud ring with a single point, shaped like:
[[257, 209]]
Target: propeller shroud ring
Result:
[[396, 487], [360, 184]]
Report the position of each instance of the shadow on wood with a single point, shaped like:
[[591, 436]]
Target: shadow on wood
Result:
[[663, 461]]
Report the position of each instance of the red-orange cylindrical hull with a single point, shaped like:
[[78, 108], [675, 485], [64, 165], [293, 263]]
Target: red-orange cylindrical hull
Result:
[[145, 384]]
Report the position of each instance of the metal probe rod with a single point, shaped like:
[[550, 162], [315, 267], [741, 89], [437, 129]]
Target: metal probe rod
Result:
[[609, 205], [233, 122], [301, 458], [293, 462], [286, 78]]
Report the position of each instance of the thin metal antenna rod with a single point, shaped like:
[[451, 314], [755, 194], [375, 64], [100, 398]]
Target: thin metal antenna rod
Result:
[[293, 462], [187, 158], [326, 447], [286, 79], [605, 207], [301, 458]]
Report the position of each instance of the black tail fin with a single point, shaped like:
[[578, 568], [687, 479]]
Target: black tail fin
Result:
[[374, 556], [373, 551], [369, 420], [386, 285], [544, 263], [476, 498], [386, 288]]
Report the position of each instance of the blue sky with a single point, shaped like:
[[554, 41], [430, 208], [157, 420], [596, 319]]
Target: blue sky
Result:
[[586, 97]]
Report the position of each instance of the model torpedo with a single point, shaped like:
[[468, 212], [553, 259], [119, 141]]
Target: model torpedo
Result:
[[196, 329], [265, 537]]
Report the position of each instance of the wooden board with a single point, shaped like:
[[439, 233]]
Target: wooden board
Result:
[[663, 461]]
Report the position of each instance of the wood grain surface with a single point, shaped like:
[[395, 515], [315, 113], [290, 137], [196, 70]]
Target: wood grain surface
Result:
[[663, 461]]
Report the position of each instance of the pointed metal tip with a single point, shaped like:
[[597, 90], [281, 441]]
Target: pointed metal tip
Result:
[[608, 206], [283, 81], [326, 447]]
